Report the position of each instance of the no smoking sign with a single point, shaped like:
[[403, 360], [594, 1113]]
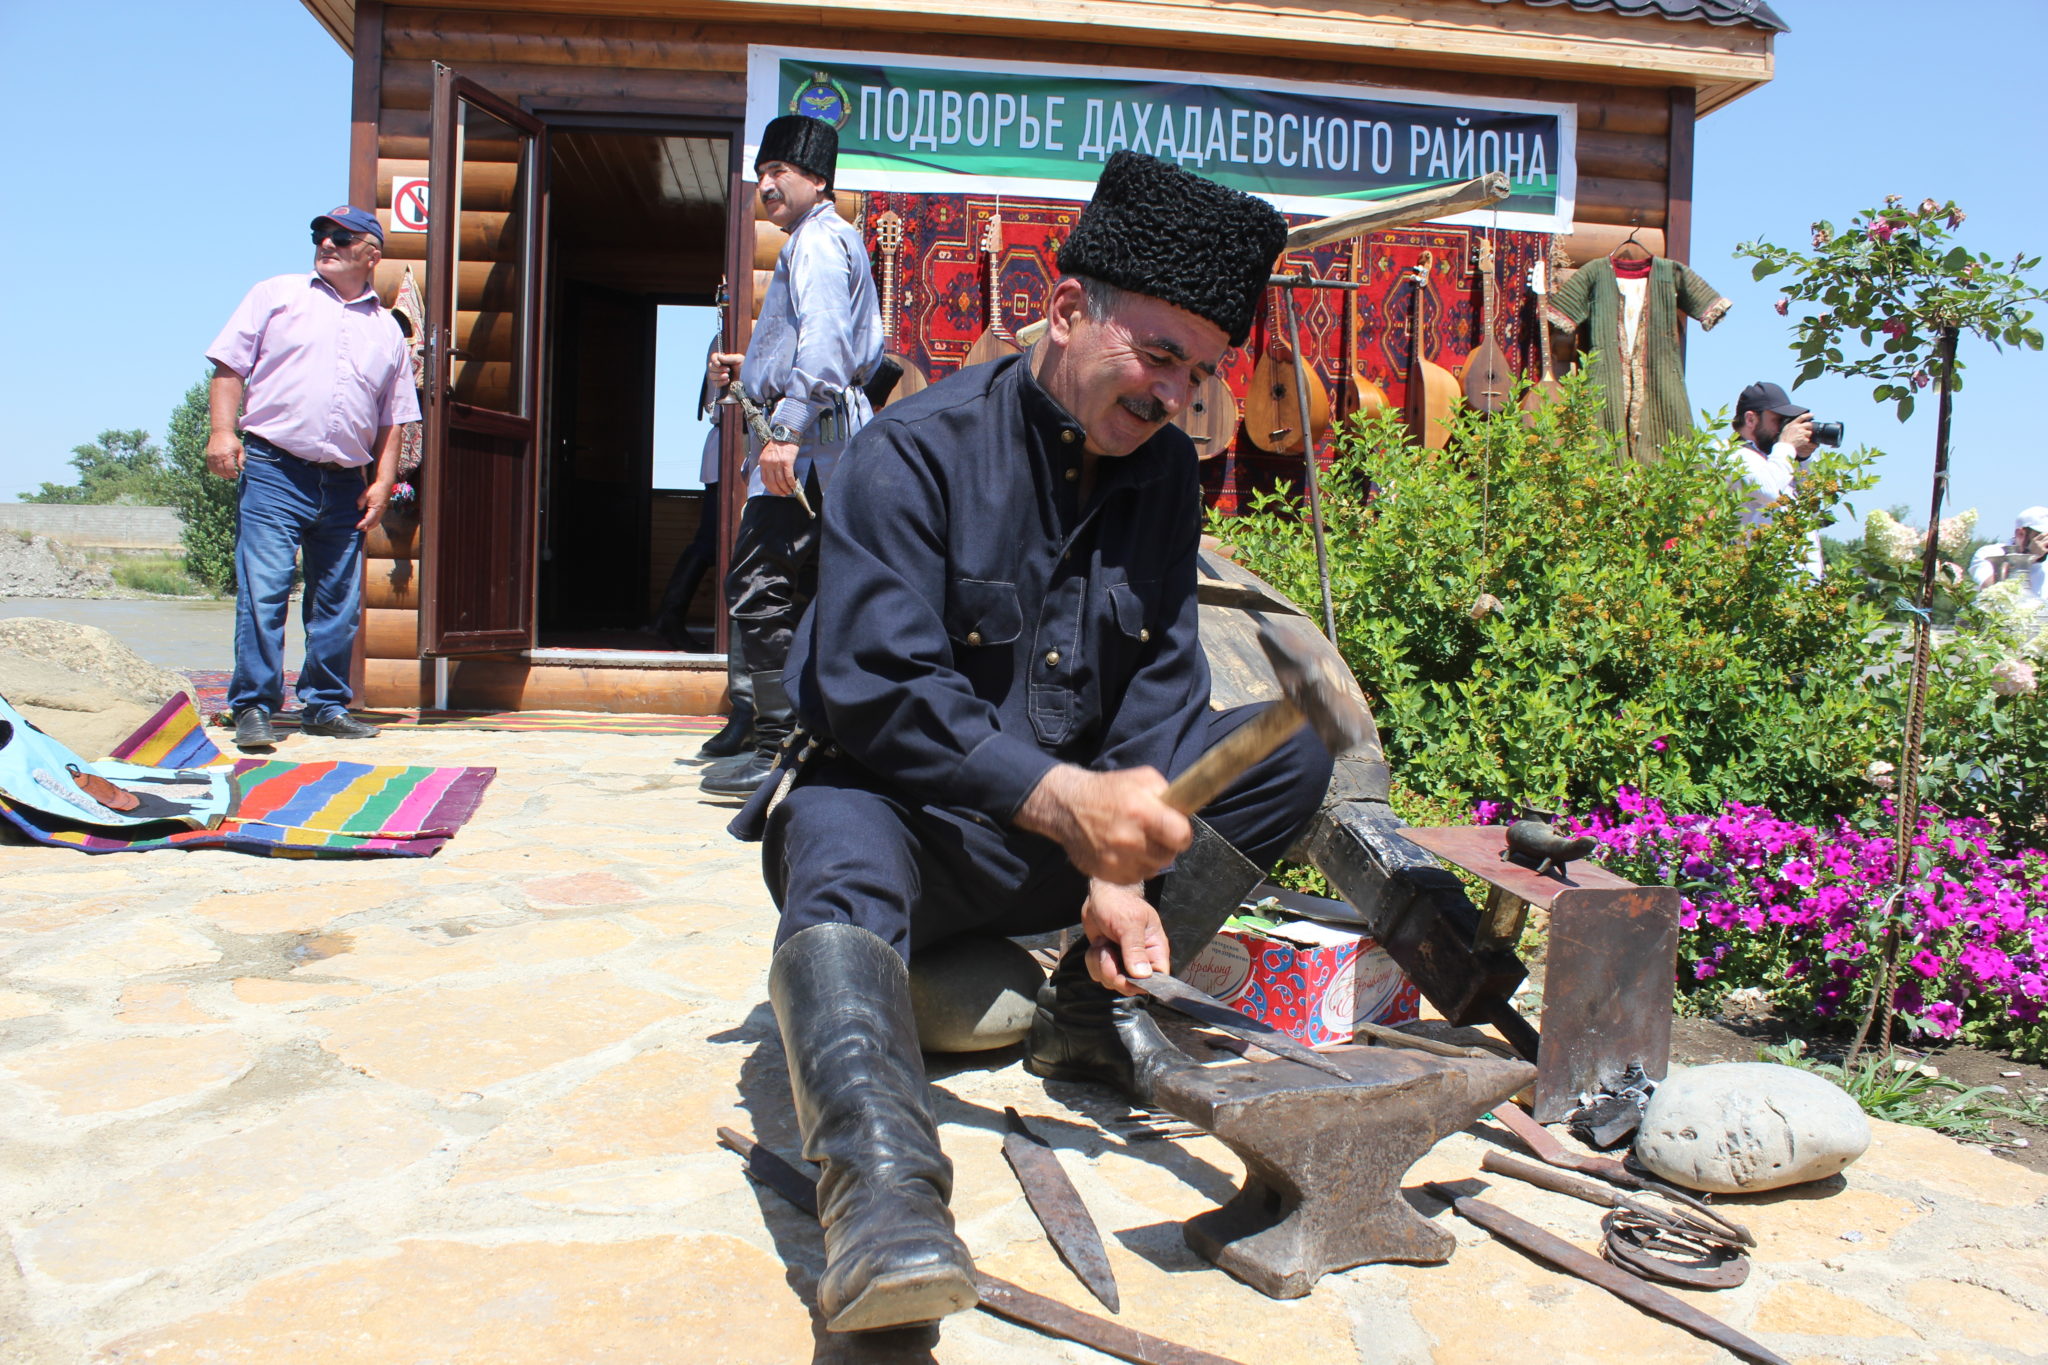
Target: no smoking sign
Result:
[[409, 206]]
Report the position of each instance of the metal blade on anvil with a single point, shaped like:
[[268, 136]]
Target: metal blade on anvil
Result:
[[1204, 1008], [998, 1297], [1053, 1198]]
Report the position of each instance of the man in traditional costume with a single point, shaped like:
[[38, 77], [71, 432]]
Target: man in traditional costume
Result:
[[1000, 670], [818, 338]]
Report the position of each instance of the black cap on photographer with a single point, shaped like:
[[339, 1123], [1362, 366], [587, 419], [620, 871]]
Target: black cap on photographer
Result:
[[1767, 397]]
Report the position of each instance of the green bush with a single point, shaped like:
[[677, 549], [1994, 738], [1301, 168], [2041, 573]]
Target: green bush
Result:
[[205, 504], [1539, 620], [162, 575]]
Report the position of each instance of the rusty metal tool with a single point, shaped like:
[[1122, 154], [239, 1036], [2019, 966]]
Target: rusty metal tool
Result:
[[1527, 1237], [1693, 1248], [1204, 1008], [999, 1298], [1539, 845], [1057, 1204], [1312, 692], [1551, 1152], [1324, 1158]]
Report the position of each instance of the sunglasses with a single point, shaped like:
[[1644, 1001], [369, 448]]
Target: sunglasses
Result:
[[340, 236]]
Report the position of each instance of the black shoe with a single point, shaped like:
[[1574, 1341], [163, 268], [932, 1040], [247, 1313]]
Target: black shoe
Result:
[[338, 725], [740, 779], [735, 738], [842, 998], [1085, 1032], [252, 729]]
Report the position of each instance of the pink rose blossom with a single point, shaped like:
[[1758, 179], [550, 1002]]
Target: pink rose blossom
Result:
[[1896, 327], [1955, 218], [1929, 206], [1783, 305], [1880, 229]]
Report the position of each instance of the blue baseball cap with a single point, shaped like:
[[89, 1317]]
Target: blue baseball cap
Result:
[[354, 219]]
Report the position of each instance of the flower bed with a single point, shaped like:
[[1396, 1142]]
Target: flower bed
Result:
[[1798, 911]]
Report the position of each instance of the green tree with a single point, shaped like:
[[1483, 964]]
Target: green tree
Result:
[[205, 504], [119, 467]]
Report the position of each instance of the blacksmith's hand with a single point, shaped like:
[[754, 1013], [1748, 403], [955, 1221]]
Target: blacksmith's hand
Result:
[[373, 500], [1113, 825], [724, 367], [1125, 938], [224, 454], [778, 468]]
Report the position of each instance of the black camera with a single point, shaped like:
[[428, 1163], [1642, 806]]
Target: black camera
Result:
[[1828, 434]]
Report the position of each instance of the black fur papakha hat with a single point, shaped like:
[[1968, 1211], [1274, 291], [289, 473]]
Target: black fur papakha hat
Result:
[[1156, 230], [806, 143]]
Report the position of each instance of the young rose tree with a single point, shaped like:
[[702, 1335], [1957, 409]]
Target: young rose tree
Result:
[[1892, 296]]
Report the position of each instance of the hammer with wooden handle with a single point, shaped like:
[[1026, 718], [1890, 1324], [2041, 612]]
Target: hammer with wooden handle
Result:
[[1312, 693]]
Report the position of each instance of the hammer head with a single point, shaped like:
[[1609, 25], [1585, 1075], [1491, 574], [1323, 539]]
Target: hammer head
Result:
[[1312, 679]]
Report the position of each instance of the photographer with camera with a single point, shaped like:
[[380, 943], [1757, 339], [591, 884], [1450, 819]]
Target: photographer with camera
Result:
[[1775, 438]]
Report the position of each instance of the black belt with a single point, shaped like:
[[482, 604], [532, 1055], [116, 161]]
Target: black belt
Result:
[[251, 438]]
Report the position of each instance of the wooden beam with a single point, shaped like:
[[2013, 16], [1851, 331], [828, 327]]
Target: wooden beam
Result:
[[365, 98], [1678, 204]]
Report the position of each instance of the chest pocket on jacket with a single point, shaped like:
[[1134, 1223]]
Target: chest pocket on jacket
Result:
[[983, 612], [1132, 612]]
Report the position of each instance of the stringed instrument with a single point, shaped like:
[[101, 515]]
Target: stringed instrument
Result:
[[1489, 379], [1546, 389], [1272, 412], [1432, 389], [1210, 418], [995, 341], [1358, 396], [889, 237]]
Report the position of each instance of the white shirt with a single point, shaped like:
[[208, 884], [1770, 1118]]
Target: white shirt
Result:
[[1768, 478], [1983, 572]]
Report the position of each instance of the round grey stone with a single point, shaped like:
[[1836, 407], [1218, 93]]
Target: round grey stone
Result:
[[973, 994], [1737, 1127]]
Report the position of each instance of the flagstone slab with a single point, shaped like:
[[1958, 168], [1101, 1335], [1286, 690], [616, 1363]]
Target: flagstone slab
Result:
[[728, 968], [129, 1073], [1819, 1224], [295, 911], [1809, 1310], [263, 990], [1949, 1309], [163, 1002], [385, 955], [191, 1204], [452, 1041], [581, 889], [22, 1005], [136, 949], [652, 1301], [664, 1103], [34, 915]]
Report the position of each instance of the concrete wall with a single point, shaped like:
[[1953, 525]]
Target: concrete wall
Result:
[[117, 528]]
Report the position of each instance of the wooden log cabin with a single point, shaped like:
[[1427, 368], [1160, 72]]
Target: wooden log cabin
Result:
[[589, 160]]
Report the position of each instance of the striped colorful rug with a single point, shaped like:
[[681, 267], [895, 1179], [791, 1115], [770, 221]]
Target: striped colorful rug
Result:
[[210, 689], [291, 810]]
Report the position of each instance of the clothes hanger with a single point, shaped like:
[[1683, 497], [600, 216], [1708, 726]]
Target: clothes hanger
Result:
[[1641, 252]]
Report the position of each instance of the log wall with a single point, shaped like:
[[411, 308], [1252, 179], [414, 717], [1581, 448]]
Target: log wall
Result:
[[1631, 138]]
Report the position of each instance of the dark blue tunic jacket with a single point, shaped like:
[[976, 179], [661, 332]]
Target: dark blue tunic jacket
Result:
[[975, 624]]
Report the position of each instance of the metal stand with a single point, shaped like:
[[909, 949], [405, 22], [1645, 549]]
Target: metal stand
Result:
[[1608, 968]]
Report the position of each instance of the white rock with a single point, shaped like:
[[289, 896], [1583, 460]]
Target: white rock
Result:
[[973, 994], [1742, 1126]]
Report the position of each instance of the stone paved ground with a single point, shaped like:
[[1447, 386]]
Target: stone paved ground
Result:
[[462, 1110]]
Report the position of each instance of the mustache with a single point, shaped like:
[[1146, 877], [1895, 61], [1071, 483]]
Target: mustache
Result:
[[1148, 410]]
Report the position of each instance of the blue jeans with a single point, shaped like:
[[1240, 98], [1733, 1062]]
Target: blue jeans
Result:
[[286, 507]]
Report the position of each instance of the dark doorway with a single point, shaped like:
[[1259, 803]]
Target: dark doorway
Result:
[[637, 221]]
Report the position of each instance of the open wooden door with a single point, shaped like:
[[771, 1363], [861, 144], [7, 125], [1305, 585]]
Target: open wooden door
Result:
[[484, 233]]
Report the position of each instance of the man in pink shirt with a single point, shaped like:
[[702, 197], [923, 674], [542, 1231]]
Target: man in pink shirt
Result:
[[315, 372]]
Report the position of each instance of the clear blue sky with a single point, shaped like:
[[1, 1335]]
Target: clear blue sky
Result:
[[164, 158]]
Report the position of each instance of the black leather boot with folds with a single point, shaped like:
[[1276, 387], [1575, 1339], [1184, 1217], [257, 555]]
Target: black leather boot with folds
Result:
[[1083, 1031], [774, 720], [842, 997]]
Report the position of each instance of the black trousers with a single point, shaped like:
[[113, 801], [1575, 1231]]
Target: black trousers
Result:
[[774, 576], [837, 849]]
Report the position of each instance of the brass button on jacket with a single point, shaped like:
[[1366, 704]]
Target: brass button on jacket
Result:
[[1052, 657], [973, 637]]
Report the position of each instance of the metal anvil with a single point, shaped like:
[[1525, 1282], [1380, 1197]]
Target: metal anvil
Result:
[[1324, 1157]]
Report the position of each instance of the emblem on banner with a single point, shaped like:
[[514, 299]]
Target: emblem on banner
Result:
[[821, 97]]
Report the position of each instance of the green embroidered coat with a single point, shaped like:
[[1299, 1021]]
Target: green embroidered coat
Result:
[[1645, 386]]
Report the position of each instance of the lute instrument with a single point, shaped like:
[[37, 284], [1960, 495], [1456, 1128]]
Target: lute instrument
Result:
[[889, 238], [1546, 389], [1358, 396], [1272, 413], [995, 341], [1210, 418], [1432, 389], [1489, 379]]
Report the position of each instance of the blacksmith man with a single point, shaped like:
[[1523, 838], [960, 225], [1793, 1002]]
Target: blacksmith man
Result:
[[999, 671]]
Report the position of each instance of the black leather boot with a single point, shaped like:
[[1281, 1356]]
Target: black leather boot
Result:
[[774, 720], [842, 997], [1086, 1032], [738, 733]]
